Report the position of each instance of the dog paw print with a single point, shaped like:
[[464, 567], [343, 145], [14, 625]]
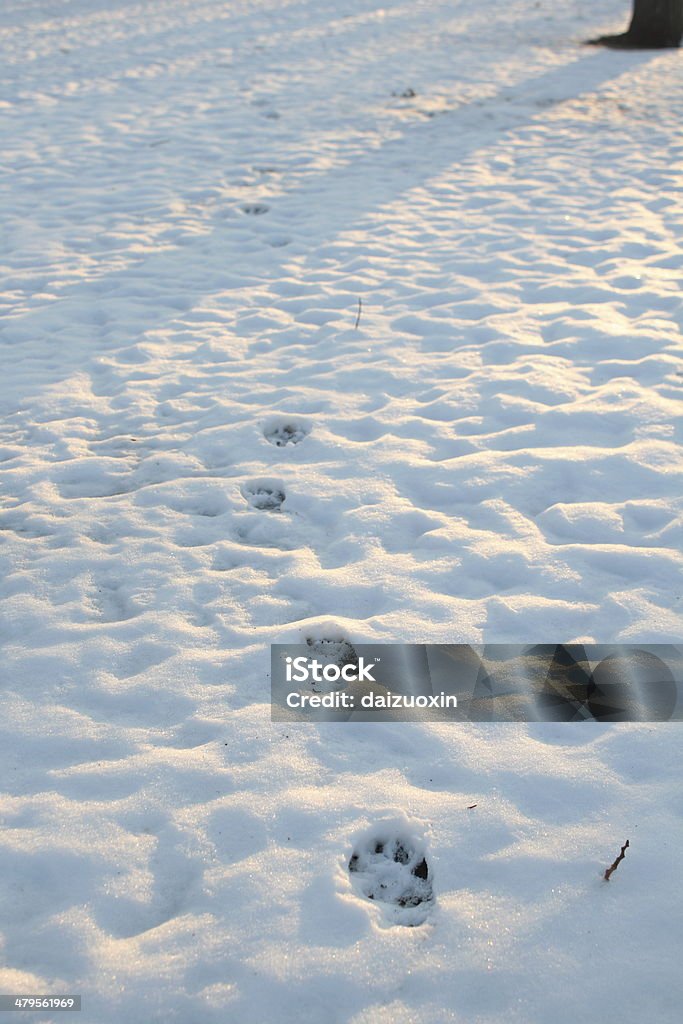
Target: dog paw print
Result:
[[393, 871], [264, 495], [330, 652], [282, 432]]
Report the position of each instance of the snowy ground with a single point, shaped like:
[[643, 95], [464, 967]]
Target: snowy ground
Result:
[[195, 197]]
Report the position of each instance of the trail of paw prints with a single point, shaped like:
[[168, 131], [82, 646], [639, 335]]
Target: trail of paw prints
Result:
[[393, 871], [264, 495], [269, 495]]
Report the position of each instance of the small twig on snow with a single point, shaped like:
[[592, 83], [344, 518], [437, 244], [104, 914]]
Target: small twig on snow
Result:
[[360, 307], [617, 862]]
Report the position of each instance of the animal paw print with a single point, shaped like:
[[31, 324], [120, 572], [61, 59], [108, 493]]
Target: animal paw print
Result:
[[392, 870], [282, 432], [330, 652], [264, 495]]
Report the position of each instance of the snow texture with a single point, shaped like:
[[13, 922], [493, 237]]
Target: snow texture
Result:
[[335, 324]]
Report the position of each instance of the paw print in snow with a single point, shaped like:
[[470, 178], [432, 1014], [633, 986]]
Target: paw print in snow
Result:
[[264, 495], [393, 870], [282, 432]]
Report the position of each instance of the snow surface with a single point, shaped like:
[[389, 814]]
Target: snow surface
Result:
[[202, 454]]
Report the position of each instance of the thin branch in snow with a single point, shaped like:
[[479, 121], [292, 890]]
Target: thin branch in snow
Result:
[[617, 862]]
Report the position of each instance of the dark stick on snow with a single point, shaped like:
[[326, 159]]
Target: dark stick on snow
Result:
[[360, 306], [617, 862]]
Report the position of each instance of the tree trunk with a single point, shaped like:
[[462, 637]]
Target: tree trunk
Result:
[[655, 24]]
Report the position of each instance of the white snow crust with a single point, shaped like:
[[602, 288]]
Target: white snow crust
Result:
[[346, 323]]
